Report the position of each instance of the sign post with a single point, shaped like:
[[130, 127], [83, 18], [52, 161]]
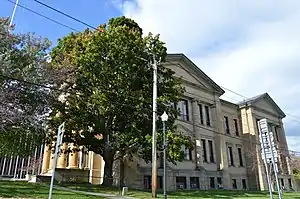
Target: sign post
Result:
[[60, 135]]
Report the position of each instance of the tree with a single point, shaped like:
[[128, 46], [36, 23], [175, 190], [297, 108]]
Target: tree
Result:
[[110, 93], [24, 100]]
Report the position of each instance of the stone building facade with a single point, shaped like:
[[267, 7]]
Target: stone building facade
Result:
[[227, 150]]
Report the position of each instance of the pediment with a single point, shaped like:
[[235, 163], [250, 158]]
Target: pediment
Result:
[[190, 73], [266, 103]]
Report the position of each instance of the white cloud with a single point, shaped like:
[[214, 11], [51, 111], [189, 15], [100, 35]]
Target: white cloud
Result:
[[293, 143], [250, 47]]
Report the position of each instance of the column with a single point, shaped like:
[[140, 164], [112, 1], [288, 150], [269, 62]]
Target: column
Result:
[[81, 157], [52, 151], [73, 157], [3, 168], [86, 160], [61, 161], [195, 119], [16, 167]]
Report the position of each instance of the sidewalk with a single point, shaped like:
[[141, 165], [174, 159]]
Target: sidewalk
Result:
[[108, 196]]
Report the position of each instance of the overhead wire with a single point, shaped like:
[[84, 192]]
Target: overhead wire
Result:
[[90, 26], [44, 16]]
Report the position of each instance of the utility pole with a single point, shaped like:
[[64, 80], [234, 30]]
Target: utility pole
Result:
[[13, 13], [154, 156]]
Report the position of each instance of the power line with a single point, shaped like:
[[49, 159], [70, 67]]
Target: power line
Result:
[[65, 14], [245, 97], [44, 16], [199, 126]]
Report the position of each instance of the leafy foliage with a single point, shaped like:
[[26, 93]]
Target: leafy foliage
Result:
[[110, 91], [24, 104]]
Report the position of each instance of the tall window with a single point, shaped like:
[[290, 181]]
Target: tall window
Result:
[[201, 114], [244, 184], [181, 182], [208, 123], [187, 153], [236, 127], [212, 183], [257, 127], [290, 183], [226, 125], [194, 183], [230, 156], [234, 184], [211, 151], [240, 157], [204, 155], [184, 111], [276, 133]]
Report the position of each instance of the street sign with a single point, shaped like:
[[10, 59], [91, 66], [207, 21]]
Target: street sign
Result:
[[60, 135], [268, 152]]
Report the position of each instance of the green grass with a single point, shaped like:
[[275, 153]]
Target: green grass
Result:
[[9, 189], [31, 190], [223, 194]]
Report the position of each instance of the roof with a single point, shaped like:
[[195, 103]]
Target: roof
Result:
[[253, 100], [196, 69]]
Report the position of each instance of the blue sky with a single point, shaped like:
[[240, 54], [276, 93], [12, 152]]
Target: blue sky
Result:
[[93, 12], [250, 47]]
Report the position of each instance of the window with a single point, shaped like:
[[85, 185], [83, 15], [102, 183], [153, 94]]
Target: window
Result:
[[234, 185], [230, 156], [257, 127], [212, 184], [201, 114], [184, 112], [236, 127], [148, 182], [282, 182], [240, 157], [208, 123], [290, 183], [187, 153], [181, 182], [244, 184], [226, 125], [211, 151], [276, 133], [219, 182], [194, 183], [204, 155]]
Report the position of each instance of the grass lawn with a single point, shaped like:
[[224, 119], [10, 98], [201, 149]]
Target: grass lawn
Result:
[[10, 189], [184, 194], [31, 190]]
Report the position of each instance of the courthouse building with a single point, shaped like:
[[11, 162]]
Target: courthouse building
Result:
[[226, 155]]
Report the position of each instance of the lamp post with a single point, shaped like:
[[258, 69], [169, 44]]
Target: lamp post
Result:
[[164, 118]]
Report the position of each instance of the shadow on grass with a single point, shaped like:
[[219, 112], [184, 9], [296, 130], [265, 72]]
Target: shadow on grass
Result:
[[226, 194]]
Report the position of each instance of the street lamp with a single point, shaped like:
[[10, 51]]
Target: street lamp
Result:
[[164, 118]]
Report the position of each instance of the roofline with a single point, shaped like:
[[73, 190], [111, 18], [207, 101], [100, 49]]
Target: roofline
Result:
[[183, 57], [229, 103]]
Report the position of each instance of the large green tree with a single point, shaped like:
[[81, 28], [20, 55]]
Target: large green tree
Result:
[[24, 98], [110, 93]]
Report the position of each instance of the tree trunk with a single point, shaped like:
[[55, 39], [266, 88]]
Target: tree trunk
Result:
[[108, 168]]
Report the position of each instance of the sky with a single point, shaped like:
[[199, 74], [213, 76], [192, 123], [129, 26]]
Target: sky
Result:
[[250, 47]]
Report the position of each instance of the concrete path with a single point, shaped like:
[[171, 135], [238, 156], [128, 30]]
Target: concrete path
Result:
[[108, 196]]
